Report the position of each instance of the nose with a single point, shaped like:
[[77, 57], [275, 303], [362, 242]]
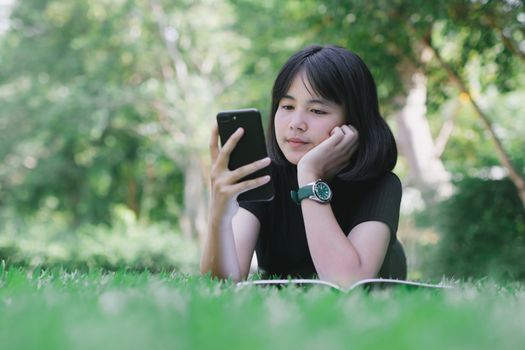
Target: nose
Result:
[[298, 122]]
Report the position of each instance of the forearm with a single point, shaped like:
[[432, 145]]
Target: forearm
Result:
[[219, 256], [333, 254], [335, 258]]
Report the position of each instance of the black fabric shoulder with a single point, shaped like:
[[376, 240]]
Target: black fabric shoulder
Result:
[[382, 203], [259, 209]]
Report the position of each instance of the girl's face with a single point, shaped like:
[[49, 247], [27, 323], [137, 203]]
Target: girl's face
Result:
[[303, 120]]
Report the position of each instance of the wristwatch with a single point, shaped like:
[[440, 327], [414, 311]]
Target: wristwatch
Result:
[[318, 190]]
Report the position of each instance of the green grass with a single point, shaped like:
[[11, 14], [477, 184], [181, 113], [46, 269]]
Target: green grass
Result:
[[55, 309]]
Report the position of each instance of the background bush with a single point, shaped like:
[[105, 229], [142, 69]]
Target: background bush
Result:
[[482, 229], [128, 244]]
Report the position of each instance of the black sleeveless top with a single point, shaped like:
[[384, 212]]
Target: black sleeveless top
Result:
[[282, 248]]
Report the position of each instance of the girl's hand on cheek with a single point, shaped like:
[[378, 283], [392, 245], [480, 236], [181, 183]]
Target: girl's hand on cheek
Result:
[[330, 156]]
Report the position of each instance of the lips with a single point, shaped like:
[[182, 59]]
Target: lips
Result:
[[296, 142]]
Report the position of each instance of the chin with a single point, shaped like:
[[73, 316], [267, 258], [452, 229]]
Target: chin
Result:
[[294, 159]]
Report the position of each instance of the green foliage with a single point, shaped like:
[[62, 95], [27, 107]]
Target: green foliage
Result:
[[93, 115], [489, 32], [98, 117], [482, 230], [72, 120], [127, 245], [387, 35]]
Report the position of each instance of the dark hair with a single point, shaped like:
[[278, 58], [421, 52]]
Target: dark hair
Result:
[[340, 76]]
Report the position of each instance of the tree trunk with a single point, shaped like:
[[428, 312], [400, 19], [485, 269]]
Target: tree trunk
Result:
[[517, 179], [426, 170], [194, 218], [132, 200]]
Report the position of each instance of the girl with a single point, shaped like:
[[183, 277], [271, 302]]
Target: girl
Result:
[[336, 206]]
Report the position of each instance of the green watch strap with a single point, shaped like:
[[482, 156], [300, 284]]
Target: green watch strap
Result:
[[302, 193], [305, 191], [293, 194]]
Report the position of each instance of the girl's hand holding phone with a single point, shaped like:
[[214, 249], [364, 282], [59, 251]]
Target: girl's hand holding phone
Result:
[[329, 157], [225, 185]]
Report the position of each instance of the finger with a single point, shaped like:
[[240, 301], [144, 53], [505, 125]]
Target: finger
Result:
[[349, 130], [247, 185], [338, 130], [214, 143], [229, 146], [336, 135], [347, 145], [248, 169], [334, 130], [350, 135]]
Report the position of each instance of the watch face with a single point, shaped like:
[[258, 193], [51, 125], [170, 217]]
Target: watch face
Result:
[[322, 191]]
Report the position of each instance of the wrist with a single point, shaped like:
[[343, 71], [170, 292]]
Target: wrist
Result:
[[305, 177], [221, 214], [220, 224], [304, 180]]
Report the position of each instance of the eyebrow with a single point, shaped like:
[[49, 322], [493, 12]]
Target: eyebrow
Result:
[[315, 100]]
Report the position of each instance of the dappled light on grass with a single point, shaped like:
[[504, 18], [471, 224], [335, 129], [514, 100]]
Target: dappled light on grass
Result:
[[126, 310]]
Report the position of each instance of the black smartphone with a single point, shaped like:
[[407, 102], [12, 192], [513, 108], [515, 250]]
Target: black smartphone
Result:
[[250, 148]]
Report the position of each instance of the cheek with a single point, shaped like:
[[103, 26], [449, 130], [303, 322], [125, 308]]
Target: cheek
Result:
[[325, 129]]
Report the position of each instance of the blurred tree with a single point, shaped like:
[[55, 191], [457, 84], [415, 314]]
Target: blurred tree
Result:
[[485, 33], [368, 29], [69, 138], [110, 103], [402, 42], [200, 63]]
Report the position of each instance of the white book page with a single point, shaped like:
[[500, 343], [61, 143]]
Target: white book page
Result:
[[372, 281]]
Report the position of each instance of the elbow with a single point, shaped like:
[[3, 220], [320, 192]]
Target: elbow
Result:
[[345, 279], [345, 282], [353, 278], [216, 273], [235, 278]]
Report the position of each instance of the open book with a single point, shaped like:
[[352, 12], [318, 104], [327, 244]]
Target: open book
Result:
[[371, 283]]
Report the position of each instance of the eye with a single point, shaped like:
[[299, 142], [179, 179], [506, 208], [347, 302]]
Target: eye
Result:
[[318, 111], [287, 107]]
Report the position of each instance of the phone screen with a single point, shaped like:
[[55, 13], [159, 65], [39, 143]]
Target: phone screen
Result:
[[250, 148]]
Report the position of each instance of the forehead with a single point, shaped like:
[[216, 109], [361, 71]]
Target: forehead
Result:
[[302, 90], [301, 87]]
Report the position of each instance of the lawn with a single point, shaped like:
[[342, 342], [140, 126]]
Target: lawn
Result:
[[55, 309]]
